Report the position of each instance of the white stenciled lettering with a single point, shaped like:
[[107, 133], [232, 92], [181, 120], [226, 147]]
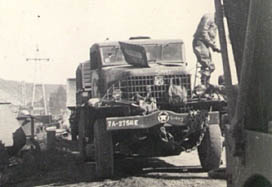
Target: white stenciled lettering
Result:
[[176, 118], [130, 122], [120, 123], [123, 123], [113, 124]]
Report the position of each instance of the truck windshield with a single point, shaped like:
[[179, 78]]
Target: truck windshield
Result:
[[170, 52], [112, 55]]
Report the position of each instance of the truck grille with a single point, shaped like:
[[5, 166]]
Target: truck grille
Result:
[[139, 84]]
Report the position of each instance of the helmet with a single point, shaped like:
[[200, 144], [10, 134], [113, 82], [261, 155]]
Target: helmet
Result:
[[23, 114]]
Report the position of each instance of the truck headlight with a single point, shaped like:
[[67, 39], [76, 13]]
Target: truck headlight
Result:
[[116, 94], [93, 102], [200, 90], [84, 94]]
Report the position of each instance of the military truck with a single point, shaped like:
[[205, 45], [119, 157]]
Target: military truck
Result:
[[134, 98], [248, 132]]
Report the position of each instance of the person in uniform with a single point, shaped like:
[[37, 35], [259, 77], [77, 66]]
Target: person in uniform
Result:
[[204, 40]]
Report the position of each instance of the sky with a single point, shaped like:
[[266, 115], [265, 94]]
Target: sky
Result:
[[64, 30]]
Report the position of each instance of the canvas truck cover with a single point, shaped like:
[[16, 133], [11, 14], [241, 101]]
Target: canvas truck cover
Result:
[[8, 123], [71, 93]]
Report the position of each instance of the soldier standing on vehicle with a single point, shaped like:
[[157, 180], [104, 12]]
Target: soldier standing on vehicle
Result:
[[204, 39]]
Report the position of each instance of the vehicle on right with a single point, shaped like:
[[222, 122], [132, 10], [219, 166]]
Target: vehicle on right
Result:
[[249, 126]]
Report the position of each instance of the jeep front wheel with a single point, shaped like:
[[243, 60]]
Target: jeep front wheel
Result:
[[210, 149], [103, 150]]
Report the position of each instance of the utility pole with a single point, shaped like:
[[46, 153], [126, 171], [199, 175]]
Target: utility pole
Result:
[[36, 83]]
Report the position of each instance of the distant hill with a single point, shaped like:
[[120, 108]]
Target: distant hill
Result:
[[17, 92]]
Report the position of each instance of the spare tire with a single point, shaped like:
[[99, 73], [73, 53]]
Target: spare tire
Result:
[[210, 149]]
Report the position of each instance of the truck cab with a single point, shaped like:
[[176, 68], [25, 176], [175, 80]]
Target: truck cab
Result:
[[135, 98], [109, 69]]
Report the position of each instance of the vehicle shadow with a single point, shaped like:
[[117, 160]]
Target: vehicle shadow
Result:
[[63, 166], [155, 168], [143, 165]]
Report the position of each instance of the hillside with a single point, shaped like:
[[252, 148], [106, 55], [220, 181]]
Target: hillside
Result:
[[17, 92]]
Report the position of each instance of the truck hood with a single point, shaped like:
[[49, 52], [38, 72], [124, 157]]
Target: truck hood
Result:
[[114, 73]]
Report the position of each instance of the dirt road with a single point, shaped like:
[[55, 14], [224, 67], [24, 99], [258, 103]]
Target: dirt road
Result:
[[183, 170], [64, 168]]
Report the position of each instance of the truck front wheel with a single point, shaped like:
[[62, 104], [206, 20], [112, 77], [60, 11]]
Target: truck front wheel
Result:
[[103, 150], [81, 135], [210, 149]]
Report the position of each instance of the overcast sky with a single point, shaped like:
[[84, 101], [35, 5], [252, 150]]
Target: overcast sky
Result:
[[64, 30]]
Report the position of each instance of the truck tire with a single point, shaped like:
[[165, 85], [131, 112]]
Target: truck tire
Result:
[[210, 149], [81, 135], [103, 150], [74, 132], [74, 135]]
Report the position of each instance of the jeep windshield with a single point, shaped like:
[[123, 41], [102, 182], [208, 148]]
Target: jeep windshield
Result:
[[168, 53]]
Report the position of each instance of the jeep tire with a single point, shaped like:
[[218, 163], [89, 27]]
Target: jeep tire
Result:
[[210, 149], [103, 150]]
